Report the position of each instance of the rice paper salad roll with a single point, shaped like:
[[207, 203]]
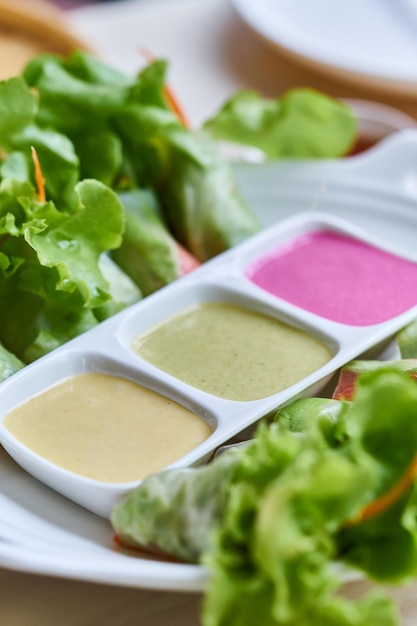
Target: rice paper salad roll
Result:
[[149, 254]]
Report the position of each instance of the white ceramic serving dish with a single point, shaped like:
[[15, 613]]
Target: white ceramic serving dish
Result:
[[108, 348], [43, 532]]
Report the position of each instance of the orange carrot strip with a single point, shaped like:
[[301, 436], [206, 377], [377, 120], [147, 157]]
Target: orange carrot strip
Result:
[[171, 99], [388, 499], [175, 106], [40, 181]]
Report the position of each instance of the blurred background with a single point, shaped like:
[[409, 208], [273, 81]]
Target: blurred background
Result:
[[354, 52], [72, 4]]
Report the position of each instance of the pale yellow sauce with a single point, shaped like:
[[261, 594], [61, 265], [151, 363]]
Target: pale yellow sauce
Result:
[[106, 428], [232, 352]]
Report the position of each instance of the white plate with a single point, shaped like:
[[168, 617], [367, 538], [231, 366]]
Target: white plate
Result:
[[43, 532], [371, 39]]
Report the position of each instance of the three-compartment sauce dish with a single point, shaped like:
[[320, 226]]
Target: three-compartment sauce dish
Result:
[[173, 377]]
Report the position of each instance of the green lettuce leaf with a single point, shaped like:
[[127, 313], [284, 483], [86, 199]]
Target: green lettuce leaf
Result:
[[74, 96], [319, 414], [50, 265], [406, 340], [18, 108], [9, 363], [122, 290], [73, 243], [57, 158], [303, 123], [382, 425], [148, 253], [202, 204]]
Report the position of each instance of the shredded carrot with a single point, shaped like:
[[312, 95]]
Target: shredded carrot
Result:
[[175, 107], [40, 181], [170, 97], [388, 499]]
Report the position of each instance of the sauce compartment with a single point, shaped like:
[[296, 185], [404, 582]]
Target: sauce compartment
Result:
[[92, 428], [225, 344], [338, 277], [334, 271], [186, 327]]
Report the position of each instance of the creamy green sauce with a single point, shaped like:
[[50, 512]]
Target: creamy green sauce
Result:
[[232, 352]]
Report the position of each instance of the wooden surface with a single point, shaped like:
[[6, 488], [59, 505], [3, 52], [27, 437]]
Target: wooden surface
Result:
[[29, 27], [212, 53]]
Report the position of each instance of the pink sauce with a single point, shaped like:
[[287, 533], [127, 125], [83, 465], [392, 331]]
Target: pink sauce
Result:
[[339, 278]]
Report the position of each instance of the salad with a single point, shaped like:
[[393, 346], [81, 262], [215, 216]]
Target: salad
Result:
[[328, 485], [106, 195]]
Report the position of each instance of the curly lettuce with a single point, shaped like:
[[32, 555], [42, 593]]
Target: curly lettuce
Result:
[[329, 483], [302, 123], [51, 281]]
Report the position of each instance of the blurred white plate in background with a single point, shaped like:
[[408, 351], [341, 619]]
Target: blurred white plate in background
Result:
[[373, 39]]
